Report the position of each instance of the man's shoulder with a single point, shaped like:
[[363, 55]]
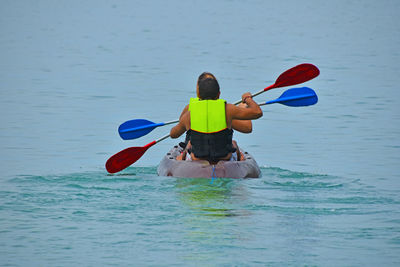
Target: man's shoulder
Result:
[[186, 117], [230, 110], [230, 107]]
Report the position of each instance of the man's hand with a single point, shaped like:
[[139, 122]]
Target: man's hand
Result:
[[246, 96]]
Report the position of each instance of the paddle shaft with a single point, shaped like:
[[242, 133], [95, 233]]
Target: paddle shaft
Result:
[[145, 147], [162, 138], [256, 94], [155, 142]]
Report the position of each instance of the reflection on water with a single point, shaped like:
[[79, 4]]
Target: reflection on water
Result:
[[213, 216], [210, 199]]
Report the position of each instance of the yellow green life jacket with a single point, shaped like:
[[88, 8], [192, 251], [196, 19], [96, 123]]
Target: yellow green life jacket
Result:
[[207, 116], [209, 135]]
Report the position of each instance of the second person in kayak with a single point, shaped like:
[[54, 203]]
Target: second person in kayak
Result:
[[209, 121]]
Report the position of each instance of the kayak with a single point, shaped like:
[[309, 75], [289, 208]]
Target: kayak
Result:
[[169, 166]]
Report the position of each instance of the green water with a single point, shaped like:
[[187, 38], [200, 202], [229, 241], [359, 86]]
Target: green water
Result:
[[136, 217]]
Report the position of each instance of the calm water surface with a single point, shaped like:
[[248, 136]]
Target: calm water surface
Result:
[[71, 73]]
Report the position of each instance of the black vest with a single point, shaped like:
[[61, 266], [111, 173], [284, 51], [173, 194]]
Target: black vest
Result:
[[211, 146]]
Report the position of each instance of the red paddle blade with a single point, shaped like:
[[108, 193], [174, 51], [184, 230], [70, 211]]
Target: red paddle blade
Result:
[[125, 158], [296, 75]]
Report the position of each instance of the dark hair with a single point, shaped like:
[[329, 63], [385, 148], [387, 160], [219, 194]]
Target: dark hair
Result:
[[208, 86]]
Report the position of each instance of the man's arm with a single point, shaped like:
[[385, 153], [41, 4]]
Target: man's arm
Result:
[[184, 111], [243, 126], [252, 112], [181, 127]]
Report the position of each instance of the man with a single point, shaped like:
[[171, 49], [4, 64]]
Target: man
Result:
[[209, 121]]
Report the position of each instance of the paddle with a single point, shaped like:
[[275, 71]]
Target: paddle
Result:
[[296, 75], [137, 128], [295, 97], [127, 157], [301, 73]]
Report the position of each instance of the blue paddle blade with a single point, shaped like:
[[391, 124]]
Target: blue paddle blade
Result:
[[136, 128], [297, 97]]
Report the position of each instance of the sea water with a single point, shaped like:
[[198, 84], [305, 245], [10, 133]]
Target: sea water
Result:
[[71, 72]]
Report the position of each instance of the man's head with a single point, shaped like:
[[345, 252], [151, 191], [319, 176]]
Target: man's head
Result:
[[207, 86]]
